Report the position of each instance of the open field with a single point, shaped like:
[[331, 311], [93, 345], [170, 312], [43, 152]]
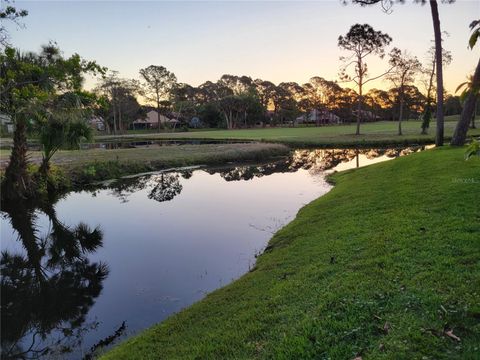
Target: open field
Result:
[[372, 134], [378, 133], [385, 266]]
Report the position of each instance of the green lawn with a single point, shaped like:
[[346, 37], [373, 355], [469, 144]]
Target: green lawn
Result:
[[383, 267], [372, 134], [377, 133]]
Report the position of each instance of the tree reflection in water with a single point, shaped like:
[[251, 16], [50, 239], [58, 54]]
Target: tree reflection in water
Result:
[[314, 160], [165, 186], [48, 289], [161, 187]]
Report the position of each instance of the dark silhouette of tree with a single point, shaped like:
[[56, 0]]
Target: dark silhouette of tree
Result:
[[460, 133], [29, 80], [361, 41], [466, 88], [158, 83], [51, 287], [439, 64], [429, 71], [119, 105], [380, 103], [387, 6], [8, 12], [61, 124], [404, 69], [266, 94]]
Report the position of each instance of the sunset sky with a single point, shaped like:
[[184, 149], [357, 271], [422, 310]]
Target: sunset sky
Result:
[[276, 41]]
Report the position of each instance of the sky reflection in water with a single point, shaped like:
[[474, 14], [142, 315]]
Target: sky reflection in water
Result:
[[163, 256], [168, 239]]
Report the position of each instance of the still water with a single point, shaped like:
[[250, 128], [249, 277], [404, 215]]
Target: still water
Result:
[[93, 266]]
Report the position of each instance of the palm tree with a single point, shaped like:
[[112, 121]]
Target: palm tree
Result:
[[50, 286], [471, 96], [61, 129], [468, 87]]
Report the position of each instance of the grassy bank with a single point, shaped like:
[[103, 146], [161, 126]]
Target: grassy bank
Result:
[[385, 266], [99, 164], [372, 134]]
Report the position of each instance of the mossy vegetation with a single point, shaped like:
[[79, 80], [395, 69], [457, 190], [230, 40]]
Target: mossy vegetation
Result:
[[384, 266]]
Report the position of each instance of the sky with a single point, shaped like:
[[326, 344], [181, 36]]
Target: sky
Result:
[[271, 40]]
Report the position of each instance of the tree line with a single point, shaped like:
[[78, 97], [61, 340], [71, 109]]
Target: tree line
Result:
[[240, 101], [44, 93]]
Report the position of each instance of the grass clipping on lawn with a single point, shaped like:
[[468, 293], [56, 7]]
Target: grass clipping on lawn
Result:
[[385, 266]]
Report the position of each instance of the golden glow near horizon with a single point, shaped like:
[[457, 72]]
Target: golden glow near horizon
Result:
[[275, 41]]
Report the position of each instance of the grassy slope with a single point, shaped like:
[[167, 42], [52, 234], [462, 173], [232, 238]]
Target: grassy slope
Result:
[[405, 238], [383, 132]]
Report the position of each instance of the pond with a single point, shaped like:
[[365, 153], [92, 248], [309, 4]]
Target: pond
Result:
[[104, 263]]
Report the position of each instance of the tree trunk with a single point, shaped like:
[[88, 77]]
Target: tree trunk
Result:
[[400, 116], [17, 182], [44, 167], [460, 134], [439, 63], [107, 126], [428, 109], [120, 126], [474, 114], [114, 118], [158, 117], [359, 109]]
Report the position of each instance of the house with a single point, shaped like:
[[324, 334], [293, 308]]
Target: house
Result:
[[151, 121], [319, 117], [6, 123]]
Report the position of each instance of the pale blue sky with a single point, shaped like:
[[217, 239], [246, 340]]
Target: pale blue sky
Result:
[[199, 41]]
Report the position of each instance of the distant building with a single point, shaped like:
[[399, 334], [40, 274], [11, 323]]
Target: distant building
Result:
[[151, 121], [319, 117]]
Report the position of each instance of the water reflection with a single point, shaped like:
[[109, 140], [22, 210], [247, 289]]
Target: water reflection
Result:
[[49, 287], [165, 186], [161, 187], [316, 161], [203, 229]]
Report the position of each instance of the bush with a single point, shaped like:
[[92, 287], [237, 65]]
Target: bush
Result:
[[105, 170], [473, 149]]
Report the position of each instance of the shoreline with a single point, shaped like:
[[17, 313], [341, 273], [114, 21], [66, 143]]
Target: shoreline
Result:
[[322, 265]]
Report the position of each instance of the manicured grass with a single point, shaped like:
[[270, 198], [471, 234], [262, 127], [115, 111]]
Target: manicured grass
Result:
[[381, 267], [372, 134], [377, 133]]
